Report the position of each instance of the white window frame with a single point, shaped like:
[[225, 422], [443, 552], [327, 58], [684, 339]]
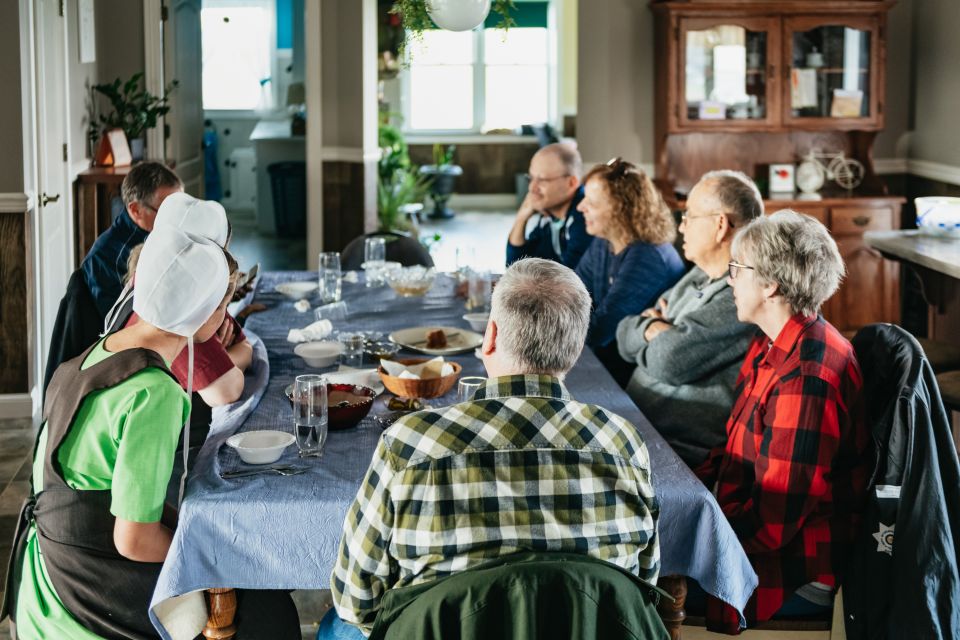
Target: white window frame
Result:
[[271, 7], [479, 85]]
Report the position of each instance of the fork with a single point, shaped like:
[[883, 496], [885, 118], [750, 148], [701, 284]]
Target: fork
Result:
[[283, 470]]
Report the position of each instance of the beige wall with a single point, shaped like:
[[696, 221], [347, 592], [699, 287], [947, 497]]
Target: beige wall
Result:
[[82, 78], [936, 137], [567, 15], [11, 129], [119, 50], [342, 73], [893, 141], [615, 80]]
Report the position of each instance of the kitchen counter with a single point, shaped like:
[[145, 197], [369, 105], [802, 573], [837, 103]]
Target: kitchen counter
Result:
[[935, 253]]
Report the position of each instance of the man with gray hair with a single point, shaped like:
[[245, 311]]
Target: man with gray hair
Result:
[[143, 191], [560, 233], [520, 467], [688, 348]]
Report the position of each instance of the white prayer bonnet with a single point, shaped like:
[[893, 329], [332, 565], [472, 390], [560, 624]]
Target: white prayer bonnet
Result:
[[205, 218], [181, 280]]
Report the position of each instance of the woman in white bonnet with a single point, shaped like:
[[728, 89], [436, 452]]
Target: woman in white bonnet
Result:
[[95, 535]]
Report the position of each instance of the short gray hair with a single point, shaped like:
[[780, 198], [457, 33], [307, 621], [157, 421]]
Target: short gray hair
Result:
[[144, 180], [542, 311], [738, 195], [568, 155], [795, 252]]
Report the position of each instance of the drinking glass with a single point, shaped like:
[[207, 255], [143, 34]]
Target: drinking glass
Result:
[[374, 256], [310, 414], [353, 343], [479, 291], [330, 276], [468, 386]]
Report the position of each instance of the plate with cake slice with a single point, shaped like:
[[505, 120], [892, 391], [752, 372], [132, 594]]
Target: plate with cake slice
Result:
[[437, 341]]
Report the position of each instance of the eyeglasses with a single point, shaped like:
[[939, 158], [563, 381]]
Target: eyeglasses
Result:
[[533, 179], [685, 215], [735, 268]]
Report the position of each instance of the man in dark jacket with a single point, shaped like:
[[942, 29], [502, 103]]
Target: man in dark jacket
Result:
[[560, 233], [143, 190]]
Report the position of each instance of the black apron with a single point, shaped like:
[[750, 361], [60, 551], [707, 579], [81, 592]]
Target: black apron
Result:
[[104, 591]]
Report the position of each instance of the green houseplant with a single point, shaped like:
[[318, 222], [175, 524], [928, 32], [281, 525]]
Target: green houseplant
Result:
[[415, 18], [443, 174], [399, 184], [134, 109]]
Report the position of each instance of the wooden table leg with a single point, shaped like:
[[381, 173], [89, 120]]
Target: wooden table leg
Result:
[[672, 613], [222, 606]]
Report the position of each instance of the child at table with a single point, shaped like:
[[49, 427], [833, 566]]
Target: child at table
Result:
[[90, 542]]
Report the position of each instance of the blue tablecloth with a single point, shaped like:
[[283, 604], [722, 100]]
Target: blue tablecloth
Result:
[[272, 532]]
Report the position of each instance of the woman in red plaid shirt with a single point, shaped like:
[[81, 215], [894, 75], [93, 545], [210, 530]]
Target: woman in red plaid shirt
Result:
[[792, 476]]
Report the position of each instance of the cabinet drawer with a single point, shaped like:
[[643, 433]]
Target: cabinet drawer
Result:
[[852, 220], [820, 213]]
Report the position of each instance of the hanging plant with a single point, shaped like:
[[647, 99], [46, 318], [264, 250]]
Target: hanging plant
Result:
[[416, 19]]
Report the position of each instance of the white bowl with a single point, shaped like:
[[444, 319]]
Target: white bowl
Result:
[[478, 321], [296, 290], [319, 354], [261, 447]]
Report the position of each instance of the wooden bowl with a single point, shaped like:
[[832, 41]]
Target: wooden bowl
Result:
[[430, 388]]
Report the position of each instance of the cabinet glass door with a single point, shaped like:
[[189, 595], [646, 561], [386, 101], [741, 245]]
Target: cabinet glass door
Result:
[[831, 75], [727, 73]]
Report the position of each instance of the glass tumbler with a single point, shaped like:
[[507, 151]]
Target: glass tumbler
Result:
[[374, 256], [310, 414], [330, 286], [468, 386], [353, 344]]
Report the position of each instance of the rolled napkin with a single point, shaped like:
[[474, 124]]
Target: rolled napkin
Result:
[[435, 368], [316, 331], [302, 305], [353, 277]]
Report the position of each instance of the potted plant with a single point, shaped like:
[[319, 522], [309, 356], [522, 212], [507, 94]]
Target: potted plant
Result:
[[417, 16], [134, 110], [400, 187], [443, 173]]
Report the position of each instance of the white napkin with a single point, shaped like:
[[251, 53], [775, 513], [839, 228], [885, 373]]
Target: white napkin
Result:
[[353, 277], [415, 372], [302, 305], [316, 331]]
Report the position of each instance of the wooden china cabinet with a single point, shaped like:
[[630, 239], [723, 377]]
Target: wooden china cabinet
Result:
[[742, 84]]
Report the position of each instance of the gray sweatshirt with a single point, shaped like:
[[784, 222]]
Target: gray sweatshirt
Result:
[[685, 377]]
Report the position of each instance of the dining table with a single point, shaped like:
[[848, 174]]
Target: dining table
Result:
[[269, 531]]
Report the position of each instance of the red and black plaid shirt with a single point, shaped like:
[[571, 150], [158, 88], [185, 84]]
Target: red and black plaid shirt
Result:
[[792, 477]]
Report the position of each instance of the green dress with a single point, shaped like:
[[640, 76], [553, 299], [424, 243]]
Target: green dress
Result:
[[123, 439]]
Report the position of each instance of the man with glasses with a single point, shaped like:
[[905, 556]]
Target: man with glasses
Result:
[[688, 348], [142, 191], [554, 193]]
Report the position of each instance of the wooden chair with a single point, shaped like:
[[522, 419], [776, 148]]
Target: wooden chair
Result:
[[942, 356]]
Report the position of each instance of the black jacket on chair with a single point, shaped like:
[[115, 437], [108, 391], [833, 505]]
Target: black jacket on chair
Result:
[[78, 325], [903, 581]]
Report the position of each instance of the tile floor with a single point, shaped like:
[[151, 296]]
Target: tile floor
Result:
[[480, 234]]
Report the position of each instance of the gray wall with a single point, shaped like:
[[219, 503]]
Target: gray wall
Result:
[[11, 130], [936, 39], [615, 80], [893, 141]]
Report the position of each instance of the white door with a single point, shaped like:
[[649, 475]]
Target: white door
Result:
[[53, 226], [182, 61]]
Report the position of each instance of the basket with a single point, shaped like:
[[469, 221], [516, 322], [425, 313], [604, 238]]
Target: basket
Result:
[[430, 388]]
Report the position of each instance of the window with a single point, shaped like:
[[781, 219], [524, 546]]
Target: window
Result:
[[237, 37], [475, 81]]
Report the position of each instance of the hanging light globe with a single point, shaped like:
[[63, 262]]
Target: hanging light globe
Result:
[[458, 15]]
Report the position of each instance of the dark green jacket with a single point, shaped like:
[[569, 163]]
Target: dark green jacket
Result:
[[525, 596]]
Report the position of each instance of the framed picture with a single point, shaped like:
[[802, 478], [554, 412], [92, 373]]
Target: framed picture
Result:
[[712, 110], [781, 178], [113, 150]]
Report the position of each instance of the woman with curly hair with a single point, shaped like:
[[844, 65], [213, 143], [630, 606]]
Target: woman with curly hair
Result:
[[634, 260]]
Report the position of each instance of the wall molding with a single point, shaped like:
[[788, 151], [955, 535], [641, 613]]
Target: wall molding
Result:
[[483, 201], [934, 171], [887, 166], [349, 154], [14, 202], [16, 405]]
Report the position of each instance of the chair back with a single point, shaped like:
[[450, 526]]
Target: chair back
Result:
[[903, 580], [400, 248], [526, 595], [78, 325]]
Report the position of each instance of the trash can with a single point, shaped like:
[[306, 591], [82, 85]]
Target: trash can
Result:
[[288, 184]]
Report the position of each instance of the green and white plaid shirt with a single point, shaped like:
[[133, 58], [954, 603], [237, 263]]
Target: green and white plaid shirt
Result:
[[521, 467]]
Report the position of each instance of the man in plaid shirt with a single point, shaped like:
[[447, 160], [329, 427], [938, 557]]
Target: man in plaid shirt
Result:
[[522, 466], [792, 476]]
